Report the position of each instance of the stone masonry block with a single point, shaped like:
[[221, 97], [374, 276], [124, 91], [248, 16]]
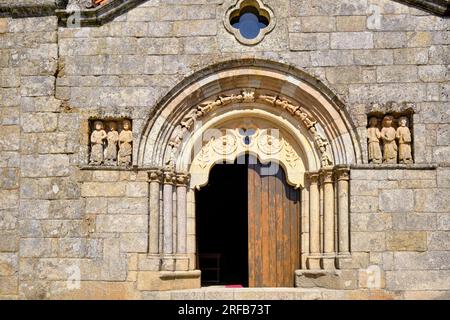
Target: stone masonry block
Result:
[[396, 200], [406, 241]]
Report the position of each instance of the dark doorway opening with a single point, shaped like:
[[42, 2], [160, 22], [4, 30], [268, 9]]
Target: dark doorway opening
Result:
[[222, 226]]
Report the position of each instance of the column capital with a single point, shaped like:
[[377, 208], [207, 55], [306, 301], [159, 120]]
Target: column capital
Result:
[[155, 175], [342, 173], [182, 179], [326, 175], [169, 177], [313, 177]]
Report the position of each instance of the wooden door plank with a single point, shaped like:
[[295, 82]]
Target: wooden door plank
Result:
[[273, 229], [251, 226], [264, 229]]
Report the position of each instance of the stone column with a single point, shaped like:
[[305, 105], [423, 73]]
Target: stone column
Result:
[[314, 221], [155, 178], [328, 218], [168, 182], [343, 176], [182, 181]]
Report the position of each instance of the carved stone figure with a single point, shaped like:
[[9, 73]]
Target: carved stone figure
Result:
[[98, 137], [373, 138], [388, 134], [111, 148], [404, 142], [125, 144]]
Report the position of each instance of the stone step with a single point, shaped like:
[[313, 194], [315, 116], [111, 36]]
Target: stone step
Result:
[[222, 293]]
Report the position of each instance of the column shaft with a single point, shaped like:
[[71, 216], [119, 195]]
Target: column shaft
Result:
[[168, 213], [343, 211], [153, 236], [314, 220], [181, 219]]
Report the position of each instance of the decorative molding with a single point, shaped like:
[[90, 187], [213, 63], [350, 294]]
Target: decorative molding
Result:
[[262, 9], [248, 96], [97, 15], [155, 176], [114, 8], [225, 149], [437, 7]]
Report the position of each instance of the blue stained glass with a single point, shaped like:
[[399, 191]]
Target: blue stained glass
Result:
[[249, 24]]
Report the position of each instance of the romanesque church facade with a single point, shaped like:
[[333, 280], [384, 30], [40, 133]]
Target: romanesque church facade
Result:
[[156, 149]]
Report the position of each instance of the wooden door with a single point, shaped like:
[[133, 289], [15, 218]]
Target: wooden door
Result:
[[273, 229]]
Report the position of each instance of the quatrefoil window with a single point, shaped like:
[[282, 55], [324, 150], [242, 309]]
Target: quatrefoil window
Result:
[[249, 21]]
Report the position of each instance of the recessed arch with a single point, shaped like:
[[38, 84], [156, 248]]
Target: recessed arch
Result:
[[282, 86]]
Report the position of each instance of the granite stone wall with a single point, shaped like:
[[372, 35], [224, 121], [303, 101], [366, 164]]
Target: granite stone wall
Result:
[[59, 220]]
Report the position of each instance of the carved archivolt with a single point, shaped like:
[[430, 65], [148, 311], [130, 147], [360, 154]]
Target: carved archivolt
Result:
[[268, 144], [248, 96]]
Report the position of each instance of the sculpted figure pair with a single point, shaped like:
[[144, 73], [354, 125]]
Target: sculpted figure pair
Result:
[[389, 138], [104, 145]]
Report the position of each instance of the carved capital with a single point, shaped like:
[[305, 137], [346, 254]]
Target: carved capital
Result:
[[169, 177], [313, 177], [326, 175], [342, 173], [182, 179], [155, 176]]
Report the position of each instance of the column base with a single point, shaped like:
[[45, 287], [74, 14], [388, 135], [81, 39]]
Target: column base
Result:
[[168, 263], [313, 262], [328, 261], [344, 260]]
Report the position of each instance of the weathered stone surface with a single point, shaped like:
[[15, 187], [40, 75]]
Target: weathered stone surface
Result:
[[351, 40], [437, 260], [122, 223], [10, 138], [128, 206], [439, 240], [97, 189], [9, 264], [418, 280], [406, 241], [133, 242], [56, 165], [432, 200], [396, 200], [36, 247], [368, 241]]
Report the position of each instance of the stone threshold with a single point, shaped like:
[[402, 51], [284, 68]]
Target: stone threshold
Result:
[[222, 293]]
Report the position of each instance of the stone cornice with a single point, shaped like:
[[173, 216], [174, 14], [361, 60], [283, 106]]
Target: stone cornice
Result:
[[437, 7], [114, 8], [100, 14]]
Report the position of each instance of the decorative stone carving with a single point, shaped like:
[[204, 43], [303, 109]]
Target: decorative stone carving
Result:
[[388, 134], [182, 179], [125, 141], [81, 4], [108, 146], [269, 146], [155, 176], [247, 96], [373, 137], [404, 142], [169, 177], [98, 137], [111, 148], [391, 144]]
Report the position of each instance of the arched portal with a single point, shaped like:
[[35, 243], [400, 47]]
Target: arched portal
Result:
[[269, 110]]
